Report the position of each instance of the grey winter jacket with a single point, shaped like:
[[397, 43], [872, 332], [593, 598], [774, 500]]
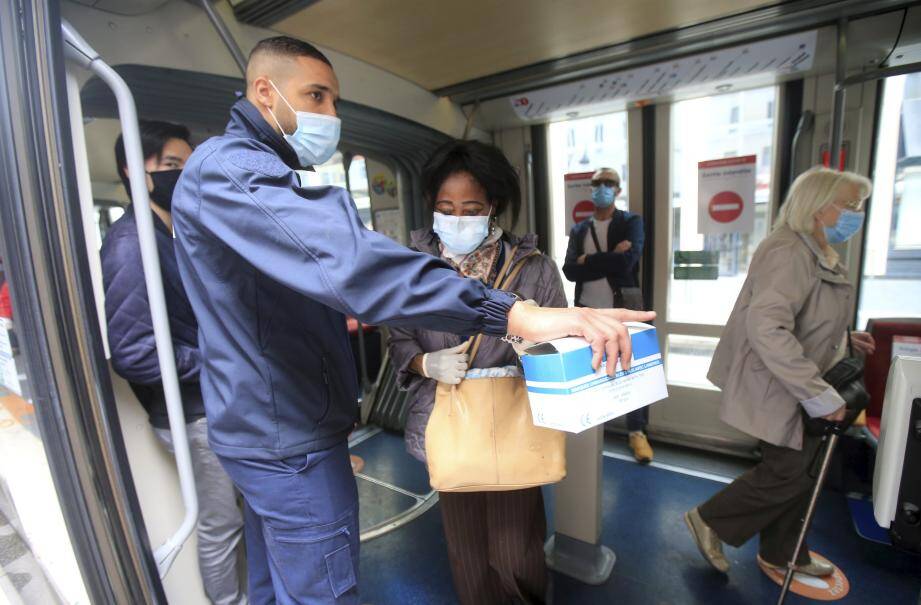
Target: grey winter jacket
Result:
[[539, 280]]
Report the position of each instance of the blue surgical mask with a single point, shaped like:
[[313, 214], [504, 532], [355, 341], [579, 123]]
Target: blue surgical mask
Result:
[[461, 234], [603, 196], [317, 135], [849, 222]]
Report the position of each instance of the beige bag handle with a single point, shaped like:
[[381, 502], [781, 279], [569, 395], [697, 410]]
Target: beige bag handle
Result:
[[511, 275]]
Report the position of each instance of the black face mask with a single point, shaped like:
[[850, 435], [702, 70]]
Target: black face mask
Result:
[[164, 182]]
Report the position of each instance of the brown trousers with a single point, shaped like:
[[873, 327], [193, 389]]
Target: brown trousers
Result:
[[771, 498], [496, 545]]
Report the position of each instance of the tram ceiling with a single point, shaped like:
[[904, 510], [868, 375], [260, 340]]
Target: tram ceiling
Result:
[[480, 49], [439, 44], [871, 39]]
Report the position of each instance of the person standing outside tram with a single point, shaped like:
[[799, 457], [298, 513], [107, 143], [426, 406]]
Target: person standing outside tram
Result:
[[165, 148], [272, 268], [603, 260]]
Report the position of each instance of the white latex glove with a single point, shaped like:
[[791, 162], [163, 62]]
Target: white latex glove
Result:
[[448, 365]]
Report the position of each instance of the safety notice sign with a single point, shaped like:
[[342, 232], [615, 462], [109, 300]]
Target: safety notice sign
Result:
[[726, 195], [578, 198]]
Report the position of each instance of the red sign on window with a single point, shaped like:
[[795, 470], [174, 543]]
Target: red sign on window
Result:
[[582, 210], [726, 206]]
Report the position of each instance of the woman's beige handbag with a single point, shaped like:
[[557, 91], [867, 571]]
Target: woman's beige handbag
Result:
[[480, 436]]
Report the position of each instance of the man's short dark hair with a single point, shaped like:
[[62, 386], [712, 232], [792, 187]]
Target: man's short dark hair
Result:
[[286, 46], [485, 163], [154, 136]]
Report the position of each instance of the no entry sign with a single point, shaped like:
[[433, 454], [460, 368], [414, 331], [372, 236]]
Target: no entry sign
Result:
[[726, 195], [726, 206], [582, 210], [578, 198]]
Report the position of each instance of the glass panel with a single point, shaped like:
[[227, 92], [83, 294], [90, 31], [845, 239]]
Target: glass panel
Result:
[[37, 563], [723, 126], [358, 186], [106, 215], [891, 284], [330, 173], [584, 145], [689, 360]]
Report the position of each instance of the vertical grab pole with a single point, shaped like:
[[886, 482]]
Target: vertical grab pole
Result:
[[225, 35], [80, 52], [837, 116]]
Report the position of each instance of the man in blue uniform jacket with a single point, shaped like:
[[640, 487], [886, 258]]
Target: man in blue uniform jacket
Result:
[[271, 268]]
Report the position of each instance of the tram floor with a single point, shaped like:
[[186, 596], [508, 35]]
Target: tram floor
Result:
[[642, 507]]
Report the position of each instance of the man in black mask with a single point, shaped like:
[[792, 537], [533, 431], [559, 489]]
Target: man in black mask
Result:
[[166, 147]]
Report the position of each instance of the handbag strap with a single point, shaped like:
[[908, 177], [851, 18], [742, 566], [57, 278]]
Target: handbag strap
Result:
[[850, 345], [591, 228], [503, 280]]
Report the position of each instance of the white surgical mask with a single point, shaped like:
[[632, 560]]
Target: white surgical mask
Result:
[[461, 234], [317, 135]]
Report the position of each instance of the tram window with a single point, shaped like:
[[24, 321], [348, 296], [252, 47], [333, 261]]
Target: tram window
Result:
[[583, 145], [330, 173], [728, 125], [689, 359], [891, 285], [38, 560], [105, 216], [333, 173], [358, 187]]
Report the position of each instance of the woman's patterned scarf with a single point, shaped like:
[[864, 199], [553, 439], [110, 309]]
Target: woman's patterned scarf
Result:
[[482, 263]]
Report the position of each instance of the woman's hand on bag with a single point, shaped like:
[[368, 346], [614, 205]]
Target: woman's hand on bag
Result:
[[602, 328], [447, 365], [863, 342]]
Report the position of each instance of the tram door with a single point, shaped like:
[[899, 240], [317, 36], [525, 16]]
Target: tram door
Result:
[[700, 263], [698, 271]]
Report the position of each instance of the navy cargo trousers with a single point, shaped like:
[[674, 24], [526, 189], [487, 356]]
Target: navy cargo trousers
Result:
[[301, 527]]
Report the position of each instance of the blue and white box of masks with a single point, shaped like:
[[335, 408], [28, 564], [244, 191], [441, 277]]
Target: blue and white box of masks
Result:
[[567, 394]]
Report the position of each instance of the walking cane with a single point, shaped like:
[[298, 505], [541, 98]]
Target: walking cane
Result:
[[857, 401], [831, 430]]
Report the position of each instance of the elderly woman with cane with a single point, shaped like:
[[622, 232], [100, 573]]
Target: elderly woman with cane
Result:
[[789, 326]]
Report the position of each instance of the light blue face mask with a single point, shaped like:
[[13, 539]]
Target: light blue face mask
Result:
[[603, 196], [461, 234], [849, 222], [317, 135]]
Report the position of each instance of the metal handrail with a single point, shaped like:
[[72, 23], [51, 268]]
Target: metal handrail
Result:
[[81, 53]]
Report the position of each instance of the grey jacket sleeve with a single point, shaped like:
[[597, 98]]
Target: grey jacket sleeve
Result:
[[781, 281], [403, 347]]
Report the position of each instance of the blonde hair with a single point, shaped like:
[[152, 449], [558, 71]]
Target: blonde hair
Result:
[[812, 191]]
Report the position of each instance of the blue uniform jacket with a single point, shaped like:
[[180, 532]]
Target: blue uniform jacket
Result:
[[271, 268], [130, 328]]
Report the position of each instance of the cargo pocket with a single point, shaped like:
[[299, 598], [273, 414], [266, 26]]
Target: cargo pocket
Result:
[[340, 570], [315, 564]]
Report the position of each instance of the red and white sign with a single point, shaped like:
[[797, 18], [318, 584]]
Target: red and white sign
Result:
[[726, 195], [578, 198], [582, 210]]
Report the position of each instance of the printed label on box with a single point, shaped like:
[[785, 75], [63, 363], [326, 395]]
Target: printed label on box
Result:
[[567, 394]]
